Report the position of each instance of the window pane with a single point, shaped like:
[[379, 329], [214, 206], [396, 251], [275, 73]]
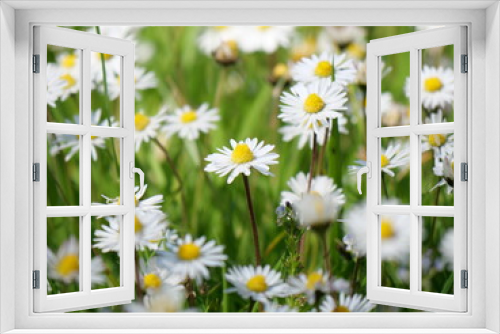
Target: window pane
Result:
[[105, 263], [437, 90], [437, 254], [395, 250], [394, 100], [438, 167], [106, 88], [63, 166], [63, 84], [63, 255], [395, 171], [105, 171]]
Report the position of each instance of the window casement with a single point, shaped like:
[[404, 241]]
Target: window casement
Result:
[[425, 133], [478, 106], [78, 258]]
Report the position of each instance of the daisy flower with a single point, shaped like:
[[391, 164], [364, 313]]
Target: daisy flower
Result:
[[264, 38], [396, 155], [69, 66], [323, 185], [212, 37], [323, 67], [65, 264], [257, 283], [437, 87], [147, 127], [437, 142], [313, 105], [275, 307], [190, 258], [310, 284], [345, 35], [188, 123], [444, 167], [71, 142], [149, 228], [241, 158], [394, 232], [152, 203], [142, 78], [154, 277], [341, 285], [446, 248], [356, 303], [290, 132], [316, 211], [393, 113], [55, 84], [167, 299]]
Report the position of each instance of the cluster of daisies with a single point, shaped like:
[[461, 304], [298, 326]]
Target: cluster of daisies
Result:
[[314, 88], [64, 77]]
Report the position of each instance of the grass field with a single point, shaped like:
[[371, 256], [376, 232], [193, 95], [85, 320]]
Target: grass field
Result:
[[244, 84]]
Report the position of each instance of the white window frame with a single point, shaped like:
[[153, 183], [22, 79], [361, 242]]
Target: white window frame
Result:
[[484, 103], [85, 44], [413, 44]]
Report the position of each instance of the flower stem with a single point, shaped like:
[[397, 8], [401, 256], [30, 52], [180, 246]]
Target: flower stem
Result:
[[252, 221], [314, 157], [384, 186], [354, 276], [140, 295], [220, 87], [178, 178], [321, 168], [326, 252], [191, 293]]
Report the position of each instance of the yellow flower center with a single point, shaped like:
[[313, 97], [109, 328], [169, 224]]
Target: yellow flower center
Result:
[[220, 27], [141, 122], [106, 56], [341, 308], [189, 117], [241, 154], [137, 225], [313, 279], [152, 281], [280, 70], [432, 84], [355, 50], [384, 161], [68, 61], [313, 104], [263, 28], [68, 265], [70, 80], [386, 229], [257, 283], [437, 140], [323, 69], [189, 252]]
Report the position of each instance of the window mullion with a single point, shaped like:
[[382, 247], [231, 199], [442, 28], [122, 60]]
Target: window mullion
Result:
[[85, 158], [415, 258]]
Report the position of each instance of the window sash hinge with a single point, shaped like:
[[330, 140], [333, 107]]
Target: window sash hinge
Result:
[[36, 63], [36, 279], [465, 64], [36, 172], [464, 171], [464, 278]]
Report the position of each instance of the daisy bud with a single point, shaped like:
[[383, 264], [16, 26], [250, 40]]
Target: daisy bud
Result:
[[226, 53], [316, 211]]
